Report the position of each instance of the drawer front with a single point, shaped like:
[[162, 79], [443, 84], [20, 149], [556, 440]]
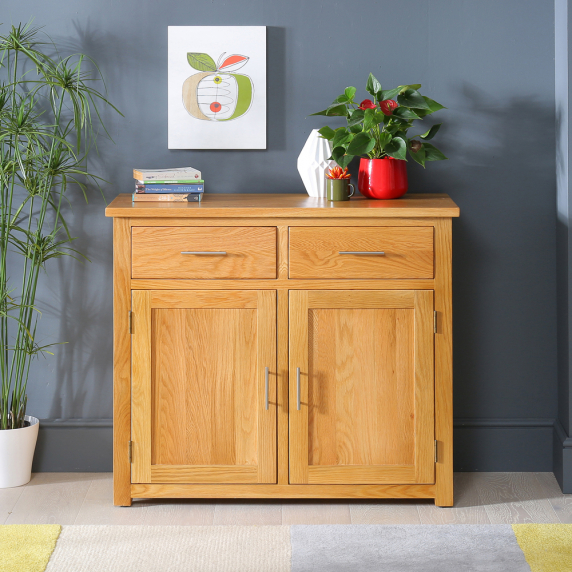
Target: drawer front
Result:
[[204, 252], [361, 252]]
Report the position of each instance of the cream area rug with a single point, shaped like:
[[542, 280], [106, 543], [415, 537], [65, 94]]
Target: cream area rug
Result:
[[322, 548]]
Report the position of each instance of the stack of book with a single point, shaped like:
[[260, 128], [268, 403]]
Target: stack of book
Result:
[[182, 184]]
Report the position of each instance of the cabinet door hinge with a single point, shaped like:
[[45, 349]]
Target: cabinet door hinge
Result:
[[130, 322], [436, 451], [130, 451], [435, 322]]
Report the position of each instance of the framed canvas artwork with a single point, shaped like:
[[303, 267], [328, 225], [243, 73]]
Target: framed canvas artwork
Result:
[[217, 87]]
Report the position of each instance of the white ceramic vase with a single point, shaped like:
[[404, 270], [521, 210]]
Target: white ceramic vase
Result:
[[16, 454], [313, 164]]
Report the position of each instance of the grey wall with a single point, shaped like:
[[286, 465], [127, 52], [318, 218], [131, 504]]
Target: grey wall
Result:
[[489, 62], [563, 95]]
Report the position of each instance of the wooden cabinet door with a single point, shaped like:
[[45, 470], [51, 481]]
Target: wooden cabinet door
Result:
[[361, 405], [202, 408]]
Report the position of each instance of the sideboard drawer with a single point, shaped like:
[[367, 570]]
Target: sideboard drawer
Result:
[[361, 252], [204, 252]]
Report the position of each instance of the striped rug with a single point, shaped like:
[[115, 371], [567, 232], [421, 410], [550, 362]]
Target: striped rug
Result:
[[315, 548]]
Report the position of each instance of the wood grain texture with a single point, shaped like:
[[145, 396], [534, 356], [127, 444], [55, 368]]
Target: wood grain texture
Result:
[[158, 252], [512, 498], [385, 512], [362, 299], [282, 491], [467, 509], [284, 284], [315, 513], [204, 395], [247, 514], [361, 388], [96, 508], [199, 410], [298, 358], [266, 358], [561, 503], [287, 205], [8, 499], [51, 498], [444, 363], [142, 374], [282, 389], [366, 387], [204, 299], [315, 252], [170, 473], [121, 362], [424, 388]]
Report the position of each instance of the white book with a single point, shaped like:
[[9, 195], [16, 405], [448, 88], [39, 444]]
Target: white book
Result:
[[180, 173]]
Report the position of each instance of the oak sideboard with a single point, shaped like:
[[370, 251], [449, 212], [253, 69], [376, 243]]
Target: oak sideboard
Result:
[[283, 346]]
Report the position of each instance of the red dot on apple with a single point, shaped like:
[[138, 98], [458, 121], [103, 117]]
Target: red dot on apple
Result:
[[215, 106]]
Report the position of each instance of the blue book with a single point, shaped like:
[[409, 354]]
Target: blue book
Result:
[[169, 189]]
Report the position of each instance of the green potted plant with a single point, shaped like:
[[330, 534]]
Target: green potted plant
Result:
[[377, 131], [47, 113]]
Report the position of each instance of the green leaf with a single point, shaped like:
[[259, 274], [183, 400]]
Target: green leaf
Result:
[[378, 117], [412, 98], [201, 62], [356, 128], [337, 110], [369, 118], [405, 113], [410, 86], [340, 157], [390, 93], [432, 105], [396, 148], [323, 112], [373, 86], [327, 132], [418, 157], [342, 137], [384, 139], [341, 99], [432, 153], [361, 144], [431, 133], [350, 92], [356, 117]]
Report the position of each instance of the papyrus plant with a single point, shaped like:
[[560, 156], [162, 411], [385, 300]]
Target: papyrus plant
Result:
[[48, 117]]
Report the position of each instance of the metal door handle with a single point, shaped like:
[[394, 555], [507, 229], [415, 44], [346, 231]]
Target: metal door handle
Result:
[[364, 252], [266, 386], [222, 253], [298, 387]]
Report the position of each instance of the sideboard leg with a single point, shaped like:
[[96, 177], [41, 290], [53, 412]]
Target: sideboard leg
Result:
[[121, 362], [443, 365]]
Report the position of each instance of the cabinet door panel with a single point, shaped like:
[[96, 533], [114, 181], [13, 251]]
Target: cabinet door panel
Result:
[[366, 385], [199, 407]]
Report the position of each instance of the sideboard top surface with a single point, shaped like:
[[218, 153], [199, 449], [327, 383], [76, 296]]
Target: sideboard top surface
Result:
[[287, 206]]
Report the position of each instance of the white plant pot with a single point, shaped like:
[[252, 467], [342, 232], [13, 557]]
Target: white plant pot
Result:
[[16, 454], [313, 164]]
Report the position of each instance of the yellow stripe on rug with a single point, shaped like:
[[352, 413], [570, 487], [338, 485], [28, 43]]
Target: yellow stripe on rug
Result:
[[27, 547], [546, 547]]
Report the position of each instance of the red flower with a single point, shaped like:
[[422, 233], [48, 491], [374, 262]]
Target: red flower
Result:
[[367, 104], [387, 106]]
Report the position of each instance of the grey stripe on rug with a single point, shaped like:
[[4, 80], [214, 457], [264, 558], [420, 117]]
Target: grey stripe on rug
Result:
[[172, 549], [406, 548]]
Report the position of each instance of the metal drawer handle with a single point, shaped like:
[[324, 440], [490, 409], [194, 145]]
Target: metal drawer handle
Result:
[[298, 387], [374, 253], [266, 386], [203, 252]]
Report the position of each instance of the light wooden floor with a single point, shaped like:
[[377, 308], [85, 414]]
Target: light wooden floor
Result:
[[480, 498]]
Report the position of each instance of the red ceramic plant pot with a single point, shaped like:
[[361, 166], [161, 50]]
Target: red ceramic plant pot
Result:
[[382, 178]]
